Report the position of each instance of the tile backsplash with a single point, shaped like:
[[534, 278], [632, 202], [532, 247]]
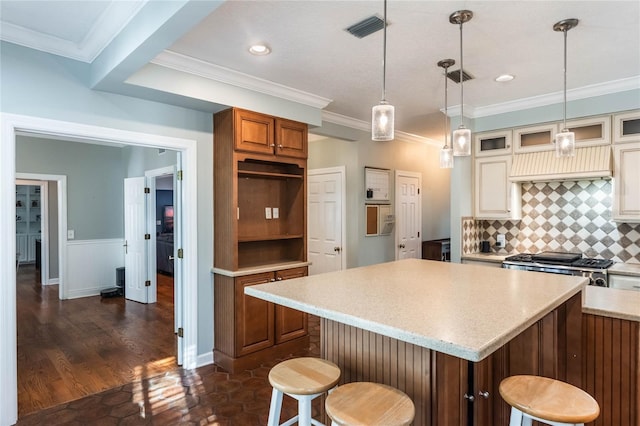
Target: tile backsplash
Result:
[[560, 216]]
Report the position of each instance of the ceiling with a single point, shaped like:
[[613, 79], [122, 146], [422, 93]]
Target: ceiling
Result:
[[313, 55]]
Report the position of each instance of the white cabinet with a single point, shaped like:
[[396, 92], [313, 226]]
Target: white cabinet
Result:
[[28, 221], [535, 138], [624, 282], [591, 131], [495, 197], [481, 263], [626, 183], [492, 143], [626, 127]]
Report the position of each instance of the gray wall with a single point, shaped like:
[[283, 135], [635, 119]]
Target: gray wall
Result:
[[394, 155]]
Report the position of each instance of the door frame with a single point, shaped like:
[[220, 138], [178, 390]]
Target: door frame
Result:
[[418, 176], [12, 125], [343, 213]]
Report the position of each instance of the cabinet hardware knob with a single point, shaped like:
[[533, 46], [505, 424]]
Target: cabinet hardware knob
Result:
[[272, 145], [279, 278], [272, 280], [280, 146], [484, 394], [471, 398]]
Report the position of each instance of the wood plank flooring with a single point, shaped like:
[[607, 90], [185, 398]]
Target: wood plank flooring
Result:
[[73, 348]]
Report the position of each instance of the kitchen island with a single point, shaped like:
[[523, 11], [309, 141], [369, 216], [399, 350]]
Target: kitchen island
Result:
[[440, 331]]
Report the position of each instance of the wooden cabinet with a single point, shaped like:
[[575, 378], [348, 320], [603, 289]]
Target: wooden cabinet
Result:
[[437, 250], [493, 143], [495, 197], [612, 368], [626, 127], [259, 234], [263, 134], [626, 173]]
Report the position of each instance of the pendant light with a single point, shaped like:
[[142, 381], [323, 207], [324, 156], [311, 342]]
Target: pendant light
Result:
[[461, 139], [565, 140], [446, 153], [382, 115]]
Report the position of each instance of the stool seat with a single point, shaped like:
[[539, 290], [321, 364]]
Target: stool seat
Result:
[[549, 399], [303, 379], [365, 403], [304, 376]]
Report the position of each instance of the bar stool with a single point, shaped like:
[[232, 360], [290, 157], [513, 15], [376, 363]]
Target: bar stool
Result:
[[303, 379], [547, 400], [366, 403]]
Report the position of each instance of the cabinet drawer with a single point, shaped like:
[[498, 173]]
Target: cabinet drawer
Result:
[[624, 282]]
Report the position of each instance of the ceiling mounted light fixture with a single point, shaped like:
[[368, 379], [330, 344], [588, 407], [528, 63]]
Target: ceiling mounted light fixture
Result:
[[446, 153], [504, 78], [461, 138], [382, 115], [565, 140], [259, 49]]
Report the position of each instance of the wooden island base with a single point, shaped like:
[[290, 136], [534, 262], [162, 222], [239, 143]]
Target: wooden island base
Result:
[[437, 383]]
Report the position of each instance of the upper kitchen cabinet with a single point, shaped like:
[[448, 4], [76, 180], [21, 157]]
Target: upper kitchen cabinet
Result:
[[492, 143], [495, 197], [535, 138], [626, 127], [626, 173], [263, 134]]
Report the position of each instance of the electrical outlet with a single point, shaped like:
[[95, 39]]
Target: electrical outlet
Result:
[[500, 241], [71, 234], [276, 213], [267, 212]]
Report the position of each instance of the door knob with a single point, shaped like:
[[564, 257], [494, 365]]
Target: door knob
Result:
[[401, 246], [336, 249], [126, 246], [170, 257]]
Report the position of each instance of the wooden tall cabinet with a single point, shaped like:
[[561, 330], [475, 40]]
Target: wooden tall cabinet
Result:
[[259, 234]]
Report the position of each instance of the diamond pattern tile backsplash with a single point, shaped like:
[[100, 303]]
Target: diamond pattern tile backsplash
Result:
[[560, 216]]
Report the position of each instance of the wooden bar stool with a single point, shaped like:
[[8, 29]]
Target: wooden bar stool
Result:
[[302, 379], [365, 403], [547, 400]]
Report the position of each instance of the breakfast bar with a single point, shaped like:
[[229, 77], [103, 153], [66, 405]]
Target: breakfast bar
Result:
[[443, 333]]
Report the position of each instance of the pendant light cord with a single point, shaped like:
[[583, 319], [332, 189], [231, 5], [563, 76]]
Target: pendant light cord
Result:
[[446, 115], [461, 80], [384, 54], [565, 80]]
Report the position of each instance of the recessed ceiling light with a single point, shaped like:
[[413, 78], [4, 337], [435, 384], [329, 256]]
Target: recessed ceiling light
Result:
[[504, 77], [259, 49]]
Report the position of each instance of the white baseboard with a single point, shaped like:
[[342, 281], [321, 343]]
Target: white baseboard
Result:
[[204, 359], [53, 281]]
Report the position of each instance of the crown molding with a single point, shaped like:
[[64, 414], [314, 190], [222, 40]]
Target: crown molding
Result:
[[190, 65], [343, 120], [615, 86], [105, 29]]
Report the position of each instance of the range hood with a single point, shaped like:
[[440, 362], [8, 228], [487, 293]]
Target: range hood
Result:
[[589, 162]]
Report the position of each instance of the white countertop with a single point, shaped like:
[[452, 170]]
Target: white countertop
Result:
[[485, 257], [612, 302], [467, 311], [629, 269]]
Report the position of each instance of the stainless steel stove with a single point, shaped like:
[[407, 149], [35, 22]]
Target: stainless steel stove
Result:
[[562, 263]]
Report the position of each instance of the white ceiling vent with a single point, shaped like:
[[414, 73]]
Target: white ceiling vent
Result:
[[366, 27], [544, 166]]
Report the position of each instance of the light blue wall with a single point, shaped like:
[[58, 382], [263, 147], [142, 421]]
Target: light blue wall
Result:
[[94, 182], [42, 85]]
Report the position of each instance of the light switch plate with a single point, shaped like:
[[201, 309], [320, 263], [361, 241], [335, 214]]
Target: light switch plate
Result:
[[71, 234]]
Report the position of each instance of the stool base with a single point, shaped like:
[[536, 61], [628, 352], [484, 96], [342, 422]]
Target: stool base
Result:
[[518, 418], [304, 410]]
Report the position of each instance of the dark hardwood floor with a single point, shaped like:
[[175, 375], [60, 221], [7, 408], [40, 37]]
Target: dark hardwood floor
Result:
[[152, 391], [73, 348]]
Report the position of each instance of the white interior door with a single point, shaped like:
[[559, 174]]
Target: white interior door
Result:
[[325, 219], [408, 215], [178, 265], [135, 245]]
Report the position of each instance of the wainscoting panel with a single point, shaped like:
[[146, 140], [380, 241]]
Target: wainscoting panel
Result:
[[91, 266]]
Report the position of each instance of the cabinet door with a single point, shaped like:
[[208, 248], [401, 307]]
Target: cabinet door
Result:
[[535, 138], [291, 138], [31, 250], [290, 323], [254, 317], [495, 196], [624, 282], [591, 131], [492, 143], [626, 127], [254, 132], [21, 248], [626, 196]]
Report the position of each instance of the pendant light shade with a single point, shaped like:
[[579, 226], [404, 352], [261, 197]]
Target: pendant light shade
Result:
[[461, 138], [383, 114], [446, 153], [565, 140]]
